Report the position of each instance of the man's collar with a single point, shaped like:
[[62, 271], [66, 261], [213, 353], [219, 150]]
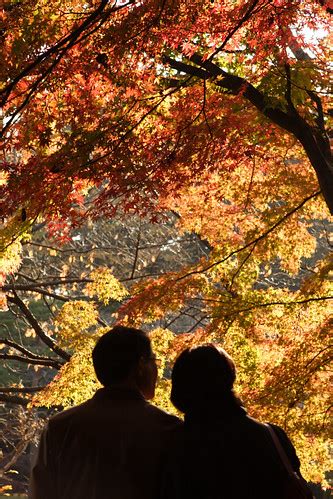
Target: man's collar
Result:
[[118, 393]]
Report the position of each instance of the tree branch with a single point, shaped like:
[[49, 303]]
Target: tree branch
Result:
[[62, 45], [254, 241], [27, 353], [182, 67], [32, 286], [133, 127], [291, 106], [23, 389], [37, 328], [302, 55], [285, 303], [137, 249], [40, 291], [37, 362], [314, 144], [235, 85], [231, 33], [14, 399]]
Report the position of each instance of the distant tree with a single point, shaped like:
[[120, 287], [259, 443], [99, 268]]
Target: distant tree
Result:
[[80, 277]]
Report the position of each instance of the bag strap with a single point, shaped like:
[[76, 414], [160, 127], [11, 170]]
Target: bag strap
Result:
[[280, 450]]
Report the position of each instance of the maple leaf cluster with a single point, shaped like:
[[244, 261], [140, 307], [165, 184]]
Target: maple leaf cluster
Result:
[[142, 97]]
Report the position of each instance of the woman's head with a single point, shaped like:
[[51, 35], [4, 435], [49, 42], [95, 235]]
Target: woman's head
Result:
[[202, 377]]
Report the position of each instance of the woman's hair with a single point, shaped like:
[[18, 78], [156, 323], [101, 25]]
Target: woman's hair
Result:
[[202, 377], [117, 352]]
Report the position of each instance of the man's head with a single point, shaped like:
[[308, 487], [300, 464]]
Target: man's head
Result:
[[123, 356]]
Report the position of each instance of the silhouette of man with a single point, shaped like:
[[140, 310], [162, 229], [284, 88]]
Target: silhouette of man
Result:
[[112, 446]]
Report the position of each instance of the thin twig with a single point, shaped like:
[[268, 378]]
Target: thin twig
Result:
[[254, 241]]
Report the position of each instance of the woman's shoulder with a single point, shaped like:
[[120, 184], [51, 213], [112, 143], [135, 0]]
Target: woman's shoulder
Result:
[[283, 438], [287, 446]]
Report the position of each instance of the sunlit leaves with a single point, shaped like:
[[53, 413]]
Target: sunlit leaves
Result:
[[10, 260], [105, 286], [75, 321], [320, 282], [109, 96], [74, 383]]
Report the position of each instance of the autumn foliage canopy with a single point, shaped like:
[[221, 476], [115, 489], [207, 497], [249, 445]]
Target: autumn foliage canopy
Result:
[[217, 111]]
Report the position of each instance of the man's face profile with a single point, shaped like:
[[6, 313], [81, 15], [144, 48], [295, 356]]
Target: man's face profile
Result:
[[147, 376]]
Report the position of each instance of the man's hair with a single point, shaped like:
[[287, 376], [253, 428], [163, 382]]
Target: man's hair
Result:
[[117, 352], [201, 377]]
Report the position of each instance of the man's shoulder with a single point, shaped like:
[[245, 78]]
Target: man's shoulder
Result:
[[161, 416], [63, 417], [87, 411]]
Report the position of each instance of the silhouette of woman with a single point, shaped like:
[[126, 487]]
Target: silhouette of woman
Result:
[[221, 452]]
